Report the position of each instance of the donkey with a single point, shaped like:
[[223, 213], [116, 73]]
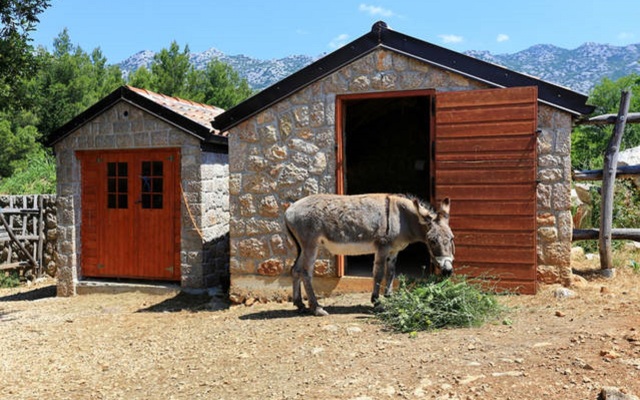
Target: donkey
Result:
[[381, 224]]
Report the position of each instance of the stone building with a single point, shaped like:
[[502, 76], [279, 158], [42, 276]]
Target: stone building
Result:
[[142, 192], [391, 113]]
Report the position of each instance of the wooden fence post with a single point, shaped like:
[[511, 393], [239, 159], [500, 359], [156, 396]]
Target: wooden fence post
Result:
[[608, 182]]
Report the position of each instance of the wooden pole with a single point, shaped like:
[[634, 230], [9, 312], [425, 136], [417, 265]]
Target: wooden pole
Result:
[[608, 182], [616, 234], [625, 171], [632, 118]]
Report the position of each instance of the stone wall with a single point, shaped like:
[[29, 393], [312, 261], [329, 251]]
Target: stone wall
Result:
[[214, 172], [125, 126], [50, 231], [288, 151], [555, 224]]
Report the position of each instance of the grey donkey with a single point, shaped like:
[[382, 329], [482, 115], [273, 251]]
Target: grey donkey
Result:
[[381, 224]]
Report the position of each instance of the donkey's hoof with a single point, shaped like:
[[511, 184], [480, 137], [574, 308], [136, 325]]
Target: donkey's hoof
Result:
[[320, 312]]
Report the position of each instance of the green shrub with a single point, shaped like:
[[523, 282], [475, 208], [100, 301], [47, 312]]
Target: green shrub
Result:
[[9, 280], [432, 304]]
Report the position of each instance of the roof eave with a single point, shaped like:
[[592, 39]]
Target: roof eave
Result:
[[380, 36], [123, 93], [296, 81], [487, 72]]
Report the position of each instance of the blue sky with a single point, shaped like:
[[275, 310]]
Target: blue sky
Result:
[[278, 28]]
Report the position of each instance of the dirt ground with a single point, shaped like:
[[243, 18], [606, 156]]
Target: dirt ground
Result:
[[141, 346]]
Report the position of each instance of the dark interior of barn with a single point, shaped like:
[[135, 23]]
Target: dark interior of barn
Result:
[[387, 147]]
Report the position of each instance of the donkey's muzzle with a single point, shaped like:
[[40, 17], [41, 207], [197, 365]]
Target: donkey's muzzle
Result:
[[446, 265]]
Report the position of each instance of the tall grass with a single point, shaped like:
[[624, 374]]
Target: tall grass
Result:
[[36, 175], [433, 304]]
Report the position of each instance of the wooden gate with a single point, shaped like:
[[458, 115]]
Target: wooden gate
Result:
[[22, 235], [131, 214], [485, 161]]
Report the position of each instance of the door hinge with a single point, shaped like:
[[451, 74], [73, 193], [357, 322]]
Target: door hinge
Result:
[[170, 269], [100, 266], [170, 158]]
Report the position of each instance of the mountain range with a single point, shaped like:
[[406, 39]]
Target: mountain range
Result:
[[579, 69]]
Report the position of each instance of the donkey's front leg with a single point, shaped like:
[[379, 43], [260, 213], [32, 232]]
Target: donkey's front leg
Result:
[[379, 267], [391, 273]]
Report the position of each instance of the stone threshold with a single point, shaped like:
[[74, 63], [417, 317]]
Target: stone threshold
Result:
[[113, 287]]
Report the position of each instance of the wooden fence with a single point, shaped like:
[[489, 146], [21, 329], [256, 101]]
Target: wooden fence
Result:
[[608, 175], [22, 235]]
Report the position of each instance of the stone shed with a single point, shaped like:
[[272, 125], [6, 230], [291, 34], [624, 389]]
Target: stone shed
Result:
[[392, 113], [142, 192]]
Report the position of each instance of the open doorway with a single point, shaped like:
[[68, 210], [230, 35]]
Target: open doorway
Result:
[[386, 147]]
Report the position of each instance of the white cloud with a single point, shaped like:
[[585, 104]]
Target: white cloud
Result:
[[451, 38], [374, 10], [339, 41], [502, 38], [625, 36]]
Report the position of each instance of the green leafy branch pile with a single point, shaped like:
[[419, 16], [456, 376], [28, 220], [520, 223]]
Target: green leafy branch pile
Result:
[[434, 304]]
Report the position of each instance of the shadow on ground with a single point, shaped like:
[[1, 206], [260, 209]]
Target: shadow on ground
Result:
[[366, 311], [189, 302], [588, 274], [29, 295]]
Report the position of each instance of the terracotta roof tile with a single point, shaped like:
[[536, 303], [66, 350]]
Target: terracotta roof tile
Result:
[[200, 113]]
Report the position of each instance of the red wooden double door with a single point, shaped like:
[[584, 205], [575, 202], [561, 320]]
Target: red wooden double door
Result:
[[130, 214]]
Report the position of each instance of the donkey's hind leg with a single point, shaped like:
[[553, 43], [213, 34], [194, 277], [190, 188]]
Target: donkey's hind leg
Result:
[[296, 274]]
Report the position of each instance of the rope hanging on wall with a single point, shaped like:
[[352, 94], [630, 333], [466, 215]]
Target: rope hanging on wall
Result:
[[188, 207]]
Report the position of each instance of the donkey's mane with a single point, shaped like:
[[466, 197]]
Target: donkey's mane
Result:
[[422, 202]]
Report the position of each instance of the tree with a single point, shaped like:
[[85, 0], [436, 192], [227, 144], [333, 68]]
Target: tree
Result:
[[141, 78], [224, 88], [19, 18], [170, 68], [69, 82], [17, 139], [172, 74], [589, 142]]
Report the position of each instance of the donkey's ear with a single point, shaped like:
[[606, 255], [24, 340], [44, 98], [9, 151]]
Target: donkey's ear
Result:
[[443, 212], [445, 205]]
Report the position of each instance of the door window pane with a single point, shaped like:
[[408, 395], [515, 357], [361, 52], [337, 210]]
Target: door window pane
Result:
[[117, 185], [151, 184]]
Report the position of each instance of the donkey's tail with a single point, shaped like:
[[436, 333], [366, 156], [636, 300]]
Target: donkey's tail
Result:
[[295, 240]]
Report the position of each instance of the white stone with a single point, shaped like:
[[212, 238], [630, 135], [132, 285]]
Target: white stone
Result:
[[583, 192]]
